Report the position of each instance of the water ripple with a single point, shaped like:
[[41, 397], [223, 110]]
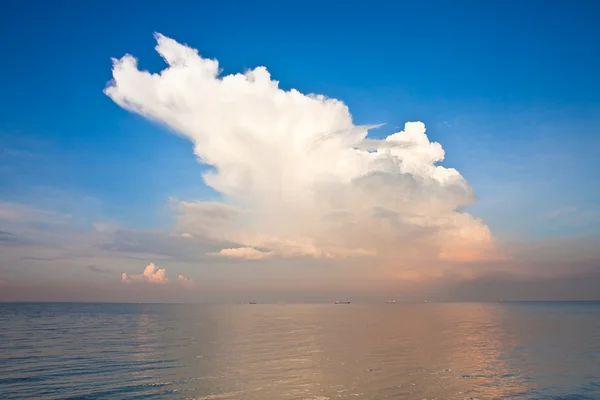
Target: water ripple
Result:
[[318, 352]]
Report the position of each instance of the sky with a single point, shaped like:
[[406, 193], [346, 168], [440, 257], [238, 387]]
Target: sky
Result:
[[299, 151]]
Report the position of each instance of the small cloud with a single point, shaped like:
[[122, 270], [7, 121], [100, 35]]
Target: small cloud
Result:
[[186, 282], [155, 274], [152, 274], [246, 253]]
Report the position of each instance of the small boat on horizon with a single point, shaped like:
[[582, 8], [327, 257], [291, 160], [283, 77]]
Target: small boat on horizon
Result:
[[341, 302]]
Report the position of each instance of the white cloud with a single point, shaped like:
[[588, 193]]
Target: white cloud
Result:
[[152, 274], [298, 178], [246, 253]]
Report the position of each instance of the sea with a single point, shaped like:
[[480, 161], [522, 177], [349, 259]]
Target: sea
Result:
[[537, 350]]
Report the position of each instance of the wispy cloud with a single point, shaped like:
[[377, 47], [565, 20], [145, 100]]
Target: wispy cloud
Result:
[[24, 214], [64, 262], [7, 236], [99, 270], [574, 216], [246, 253]]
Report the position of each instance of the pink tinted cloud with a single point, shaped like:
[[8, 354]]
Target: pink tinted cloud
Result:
[[152, 274], [342, 193], [186, 282], [246, 253]]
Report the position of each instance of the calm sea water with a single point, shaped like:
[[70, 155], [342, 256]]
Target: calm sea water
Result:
[[304, 351]]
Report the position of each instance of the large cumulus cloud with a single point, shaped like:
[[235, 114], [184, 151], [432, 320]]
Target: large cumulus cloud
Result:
[[297, 177]]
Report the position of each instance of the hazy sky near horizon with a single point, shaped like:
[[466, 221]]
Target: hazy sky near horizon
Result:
[[271, 151]]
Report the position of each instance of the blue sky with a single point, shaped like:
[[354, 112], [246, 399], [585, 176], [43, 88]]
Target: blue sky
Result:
[[514, 78], [510, 89]]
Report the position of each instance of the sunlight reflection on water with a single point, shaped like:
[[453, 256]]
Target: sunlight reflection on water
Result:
[[305, 351]]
